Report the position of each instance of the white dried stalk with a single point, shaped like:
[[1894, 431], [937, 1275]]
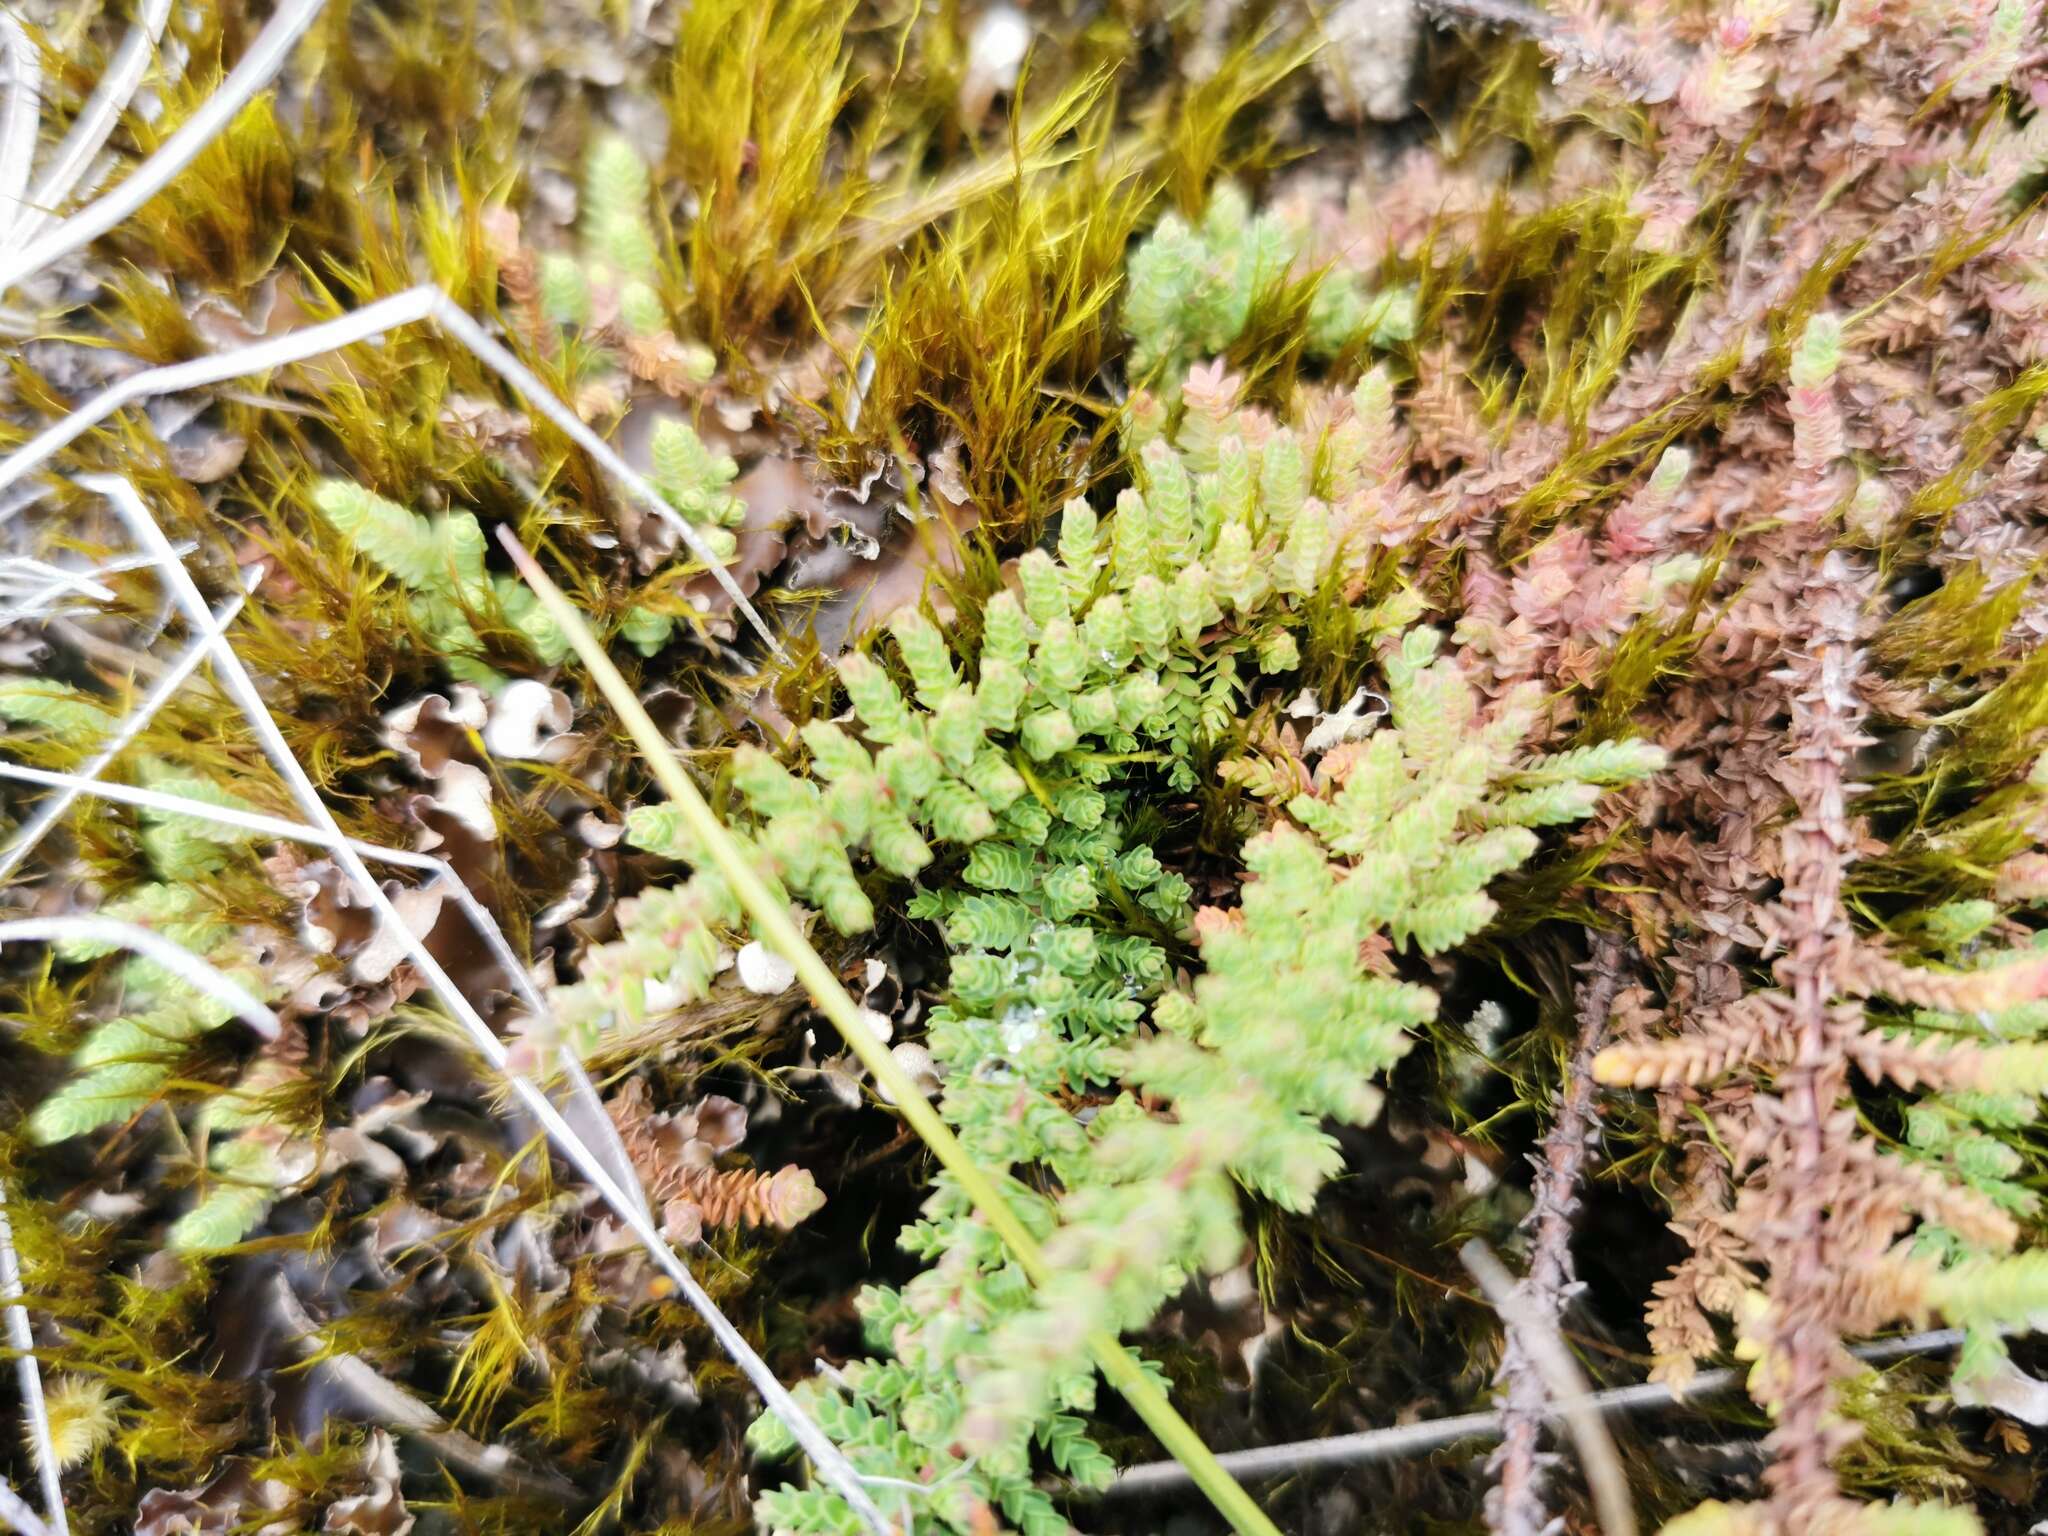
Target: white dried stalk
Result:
[[1371, 1445], [70, 786], [39, 584], [13, 506], [1537, 1335], [234, 678], [20, 116], [52, 810], [15, 1510], [94, 125], [597, 1125], [180, 962], [77, 784], [425, 302], [22, 1340], [257, 68], [258, 822]]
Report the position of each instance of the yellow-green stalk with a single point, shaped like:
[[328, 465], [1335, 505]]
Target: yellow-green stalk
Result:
[[773, 923]]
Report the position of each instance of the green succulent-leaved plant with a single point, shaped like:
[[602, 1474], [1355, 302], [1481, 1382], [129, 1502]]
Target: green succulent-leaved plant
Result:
[[1194, 288], [1009, 776], [608, 290]]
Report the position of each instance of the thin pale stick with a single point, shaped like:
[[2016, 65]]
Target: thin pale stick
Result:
[[258, 822], [52, 810], [15, 1511], [780, 933], [1276, 1461], [30, 574], [95, 122], [414, 304], [632, 1211], [20, 117], [1517, 1505], [151, 945], [13, 506], [297, 832], [457, 322], [602, 1132], [1537, 1335], [27, 574], [425, 302], [266, 56], [21, 1339]]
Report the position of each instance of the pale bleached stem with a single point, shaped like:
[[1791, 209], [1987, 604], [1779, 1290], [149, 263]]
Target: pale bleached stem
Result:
[[457, 323], [258, 67], [15, 1511], [363, 324], [1375, 1445], [66, 171], [425, 302], [831, 1463], [27, 574], [52, 810], [43, 584], [296, 832], [20, 117], [151, 945], [601, 1130], [258, 822], [22, 1340], [1537, 1334]]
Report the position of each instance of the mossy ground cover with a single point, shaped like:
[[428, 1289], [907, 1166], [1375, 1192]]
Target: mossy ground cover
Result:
[[1208, 537]]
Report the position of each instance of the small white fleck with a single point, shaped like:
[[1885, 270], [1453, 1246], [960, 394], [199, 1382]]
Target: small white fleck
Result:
[[916, 1061], [1020, 1029], [763, 971], [998, 44]]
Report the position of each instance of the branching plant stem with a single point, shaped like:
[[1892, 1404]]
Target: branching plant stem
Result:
[[69, 163], [597, 1128], [20, 115], [1275, 1461], [1517, 1506], [52, 810], [181, 963], [1536, 1336], [257, 68], [16, 1513], [780, 932]]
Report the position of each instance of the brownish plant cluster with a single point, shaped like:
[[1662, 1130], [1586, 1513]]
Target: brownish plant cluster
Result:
[[1817, 338]]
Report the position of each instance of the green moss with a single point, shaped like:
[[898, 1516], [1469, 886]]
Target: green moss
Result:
[[755, 101], [996, 328], [1956, 634]]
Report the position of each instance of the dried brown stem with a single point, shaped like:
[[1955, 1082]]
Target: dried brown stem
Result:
[[1537, 1337], [1516, 1506], [1799, 1234]]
